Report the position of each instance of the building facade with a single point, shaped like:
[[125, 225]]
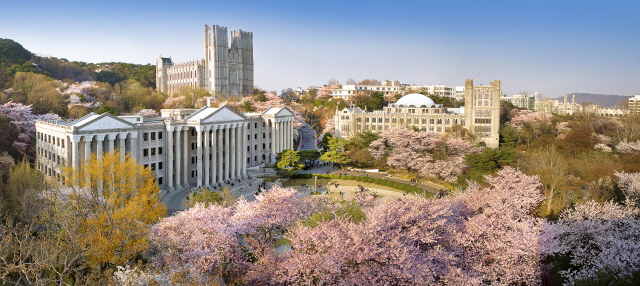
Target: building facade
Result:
[[184, 147], [634, 104], [481, 115], [226, 70]]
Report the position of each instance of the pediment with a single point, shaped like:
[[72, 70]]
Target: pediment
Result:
[[105, 122], [284, 113], [223, 114]]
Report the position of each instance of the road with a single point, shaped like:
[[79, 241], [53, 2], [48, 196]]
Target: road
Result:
[[175, 201], [307, 138]]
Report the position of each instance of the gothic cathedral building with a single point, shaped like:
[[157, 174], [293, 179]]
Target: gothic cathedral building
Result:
[[226, 70]]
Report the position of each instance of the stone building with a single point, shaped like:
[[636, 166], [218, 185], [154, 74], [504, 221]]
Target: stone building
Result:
[[226, 70], [481, 115], [634, 104], [185, 147]]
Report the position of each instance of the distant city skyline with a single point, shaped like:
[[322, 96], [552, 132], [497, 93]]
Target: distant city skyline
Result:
[[549, 47]]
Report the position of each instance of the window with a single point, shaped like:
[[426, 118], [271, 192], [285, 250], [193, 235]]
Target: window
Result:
[[146, 165], [193, 132], [191, 173], [439, 121], [394, 120], [145, 136], [193, 145], [263, 146], [255, 147], [62, 143], [160, 166], [193, 160], [264, 135], [160, 138], [153, 167], [431, 121], [153, 151], [446, 121], [153, 136], [416, 121], [159, 150], [160, 180], [249, 137], [255, 125], [263, 124], [255, 158], [145, 152], [256, 136]]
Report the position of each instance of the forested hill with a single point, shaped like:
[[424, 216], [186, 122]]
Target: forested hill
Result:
[[15, 58]]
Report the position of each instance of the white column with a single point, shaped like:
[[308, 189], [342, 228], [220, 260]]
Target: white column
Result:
[[179, 156], [75, 159], [169, 162], [244, 148], [99, 142], [134, 146], [240, 146], [207, 153], [226, 151], [122, 146], [273, 140], [87, 147], [220, 150], [232, 158], [185, 156], [260, 151], [111, 138], [214, 162], [199, 130], [290, 132]]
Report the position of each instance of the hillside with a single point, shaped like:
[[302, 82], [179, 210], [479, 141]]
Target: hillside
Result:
[[599, 99]]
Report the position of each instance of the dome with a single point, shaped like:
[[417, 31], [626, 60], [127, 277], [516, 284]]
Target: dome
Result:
[[415, 99]]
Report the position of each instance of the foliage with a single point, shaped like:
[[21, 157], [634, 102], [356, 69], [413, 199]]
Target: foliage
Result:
[[629, 183], [487, 162], [288, 162], [336, 153], [553, 170], [207, 198], [105, 108], [309, 155], [247, 106], [120, 200]]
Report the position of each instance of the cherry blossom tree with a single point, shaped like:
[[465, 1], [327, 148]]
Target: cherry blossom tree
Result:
[[148, 113], [325, 91], [630, 148], [596, 237], [523, 117], [431, 153], [629, 183], [24, 121], [602, 147]]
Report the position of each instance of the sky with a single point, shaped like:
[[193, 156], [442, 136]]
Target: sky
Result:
[[550, 47]]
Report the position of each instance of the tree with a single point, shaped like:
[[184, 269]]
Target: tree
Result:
[[369, 82], [247, 106], [104, 108], [336, 153], [288, 162], [119, 200], [552, 168], [309, 155], [350, 81], [24, 121], [261, 97], [430, 153], [596, 237]]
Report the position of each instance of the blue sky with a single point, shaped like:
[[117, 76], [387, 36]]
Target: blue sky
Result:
[[552, 47]]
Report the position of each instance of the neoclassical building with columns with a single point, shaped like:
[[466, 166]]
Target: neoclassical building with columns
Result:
[[184, 147]]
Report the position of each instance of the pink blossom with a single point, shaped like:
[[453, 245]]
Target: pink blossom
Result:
[[417, 150], [529, 117], [24, 121], [625, 147], [629, 183], [602, 147], [148, 113], [325, 91]]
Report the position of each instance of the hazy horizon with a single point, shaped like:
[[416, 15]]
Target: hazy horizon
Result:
[[545, 46]]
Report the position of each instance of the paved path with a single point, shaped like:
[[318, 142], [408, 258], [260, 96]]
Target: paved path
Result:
[[307, 138]]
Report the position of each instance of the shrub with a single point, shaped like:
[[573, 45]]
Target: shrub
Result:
[[390, 183], [376, 181], [344, 177], [358, 179], [351, 177], [396, 185], [371, 180], [333, 176], [383, 182]]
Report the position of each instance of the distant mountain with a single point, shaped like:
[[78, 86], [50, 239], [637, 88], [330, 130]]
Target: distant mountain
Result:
[[599, 99]]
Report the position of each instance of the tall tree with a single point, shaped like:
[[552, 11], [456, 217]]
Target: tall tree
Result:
[[337, 152]]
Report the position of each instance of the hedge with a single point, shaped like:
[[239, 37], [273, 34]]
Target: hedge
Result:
[[390, 183], [396, 185], [358, 179], [376, 181], [351, 177], [344, 177], [371, 180]]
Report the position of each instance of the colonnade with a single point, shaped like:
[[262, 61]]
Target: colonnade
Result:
[[111, 138], [215, 162], [281, 135]]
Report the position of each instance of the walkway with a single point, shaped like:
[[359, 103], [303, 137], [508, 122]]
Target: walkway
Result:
[[307, 138]]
